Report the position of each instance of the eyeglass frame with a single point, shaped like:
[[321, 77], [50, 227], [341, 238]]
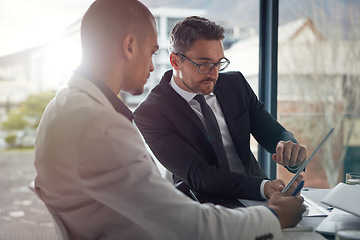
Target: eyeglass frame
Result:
[[198, 65]]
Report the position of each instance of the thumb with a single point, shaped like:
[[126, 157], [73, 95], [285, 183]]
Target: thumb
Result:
[[275, 195]]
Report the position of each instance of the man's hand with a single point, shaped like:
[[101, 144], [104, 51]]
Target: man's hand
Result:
[[271, 187], [278, 185], [288, 209], [289, 154], [293, 186]]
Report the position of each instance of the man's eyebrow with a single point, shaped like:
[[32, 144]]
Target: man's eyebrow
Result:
[[204, 58], [207, 59]]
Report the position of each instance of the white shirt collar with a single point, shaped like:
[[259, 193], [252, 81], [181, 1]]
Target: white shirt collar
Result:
[[188, 96]]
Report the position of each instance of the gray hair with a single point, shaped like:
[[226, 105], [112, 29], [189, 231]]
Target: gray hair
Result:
[[187, 31]]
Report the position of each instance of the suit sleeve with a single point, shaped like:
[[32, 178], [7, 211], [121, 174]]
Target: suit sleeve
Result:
[[264, 127], [115, 169], [181, 158]]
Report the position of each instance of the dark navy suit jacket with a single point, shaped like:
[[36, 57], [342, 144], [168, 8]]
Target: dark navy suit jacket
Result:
[[177, 137]]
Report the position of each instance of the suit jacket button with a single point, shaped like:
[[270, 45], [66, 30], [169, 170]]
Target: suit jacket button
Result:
[[265, 237]]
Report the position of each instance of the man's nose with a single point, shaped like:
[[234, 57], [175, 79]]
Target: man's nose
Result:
[[214, 72]]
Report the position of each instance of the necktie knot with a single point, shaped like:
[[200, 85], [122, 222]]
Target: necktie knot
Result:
[[200, 98]]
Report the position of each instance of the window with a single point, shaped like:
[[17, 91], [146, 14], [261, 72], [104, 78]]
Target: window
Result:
[[319, 84]]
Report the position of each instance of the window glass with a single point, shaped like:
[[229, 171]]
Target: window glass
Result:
[[319, 84]]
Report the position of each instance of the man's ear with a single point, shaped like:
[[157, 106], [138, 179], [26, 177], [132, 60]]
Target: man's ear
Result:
[[175, 61], [129, 46]]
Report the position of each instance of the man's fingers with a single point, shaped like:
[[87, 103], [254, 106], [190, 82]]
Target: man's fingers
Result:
[[299, 178], [294, 155], [300, 198], [271, 187], [273, 157], [280, 188], [279, 152], [278, 183], [287, 152], [301, 156], [291, 188]]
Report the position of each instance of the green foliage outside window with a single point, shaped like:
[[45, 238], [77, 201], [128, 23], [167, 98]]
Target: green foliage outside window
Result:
[[22, 122]]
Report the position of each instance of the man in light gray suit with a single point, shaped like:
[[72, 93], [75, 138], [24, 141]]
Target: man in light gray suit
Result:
[[92, 166]]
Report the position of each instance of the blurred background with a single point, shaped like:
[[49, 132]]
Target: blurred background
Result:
[[318, 82]]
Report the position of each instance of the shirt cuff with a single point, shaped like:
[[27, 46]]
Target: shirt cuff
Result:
[[293, 169], [262, 188]]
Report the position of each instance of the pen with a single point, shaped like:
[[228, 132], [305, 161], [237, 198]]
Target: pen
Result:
[[298, 188]]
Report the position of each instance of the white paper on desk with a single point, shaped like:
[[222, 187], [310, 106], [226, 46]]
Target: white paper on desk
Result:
[[312, 209], [302, 236], [328, 225], [345, 197]]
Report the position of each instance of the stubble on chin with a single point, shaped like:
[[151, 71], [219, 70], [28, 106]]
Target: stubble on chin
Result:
[[207, 89]]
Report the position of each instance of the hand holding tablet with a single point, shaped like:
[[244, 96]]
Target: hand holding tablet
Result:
[[302, 167]]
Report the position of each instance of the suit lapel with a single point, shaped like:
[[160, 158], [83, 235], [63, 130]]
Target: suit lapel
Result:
[[229, 119], [179, 103]]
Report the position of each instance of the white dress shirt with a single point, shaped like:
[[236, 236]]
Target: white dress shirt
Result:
[[234, 161]]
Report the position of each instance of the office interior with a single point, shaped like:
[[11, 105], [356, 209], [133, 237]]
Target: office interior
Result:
[[301, 58]]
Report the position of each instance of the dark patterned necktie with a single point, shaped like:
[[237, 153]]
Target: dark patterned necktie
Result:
[[214, 134]]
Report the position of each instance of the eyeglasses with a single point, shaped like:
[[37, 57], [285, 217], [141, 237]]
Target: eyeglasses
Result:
[[205, 68]]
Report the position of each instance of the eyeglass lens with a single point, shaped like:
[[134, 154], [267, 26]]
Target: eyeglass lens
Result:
[[208, 67]]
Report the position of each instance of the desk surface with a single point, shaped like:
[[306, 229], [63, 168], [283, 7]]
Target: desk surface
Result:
[[314, 194]]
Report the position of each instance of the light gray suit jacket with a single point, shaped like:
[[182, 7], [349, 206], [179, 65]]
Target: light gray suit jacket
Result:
[[95, 172]]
